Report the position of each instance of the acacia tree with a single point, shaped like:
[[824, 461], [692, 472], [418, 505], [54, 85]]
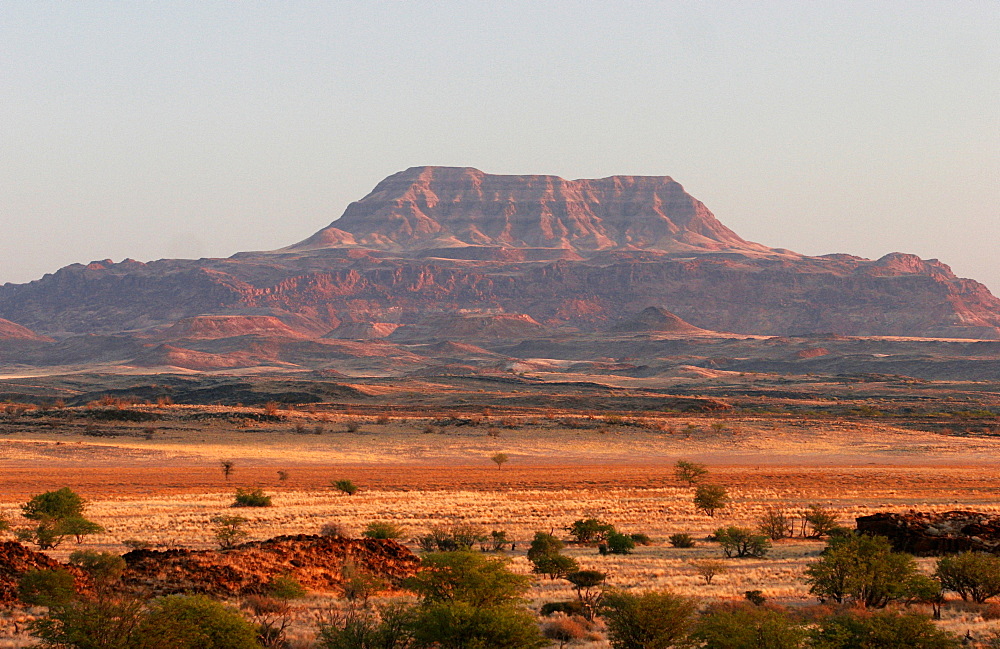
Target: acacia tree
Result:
[[710, 497], [57, 514], [862, 569], [689, 472]]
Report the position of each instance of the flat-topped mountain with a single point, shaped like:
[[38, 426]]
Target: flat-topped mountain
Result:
[[428, 208], [531, 255]]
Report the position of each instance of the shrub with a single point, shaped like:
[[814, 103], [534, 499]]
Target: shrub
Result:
[[495, 542], [641, 539], [353, 425], [884, 629], [345, 486], [285, 587], [197, 622], [572, 607], [741, 542], [709, 498], [467, 535], [383, 530], [229, 531], [822, 522], [590, 530], [775, 524], [563, 629], [461, 625], [681, 540], [652, 620], [336, 530], [468, 577], [863, 569], [103, 567], [619, 544], [251, 498], [973, 575], [689, 472], [554, 565], [748, 627], [46, 587], [707, 569], [359, 586], [387, 627], [755, 597], [544, 543]]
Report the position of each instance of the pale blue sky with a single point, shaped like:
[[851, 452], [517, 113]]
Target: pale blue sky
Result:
[[185, 129]]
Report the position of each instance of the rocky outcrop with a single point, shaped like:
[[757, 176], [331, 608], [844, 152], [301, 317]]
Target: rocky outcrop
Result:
[[929, 534], [15, 560], [226, 326], [470, 326], [656, 320], [316, 562]]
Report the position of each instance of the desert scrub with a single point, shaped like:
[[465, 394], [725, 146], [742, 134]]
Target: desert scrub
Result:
[[251, 498]]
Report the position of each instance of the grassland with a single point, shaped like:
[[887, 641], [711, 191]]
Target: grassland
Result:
[[160, 481]]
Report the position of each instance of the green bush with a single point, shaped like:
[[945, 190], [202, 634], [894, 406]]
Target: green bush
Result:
[[462, 625], [198, 622], [881, 630], [748, 627], [554, 565], [46, 587], [741, 542], [973, 575], [61, 504], [345, 486], [58, 514], [386, 627], [103, 567], [469, 577], [229, 531], [681, 540], [97, 623], [590, 530], [651, 620], [544, 543], [641, 539], [571, 607], [619, 544], [862, 569], [383, 530], [822, 522], [251, 498]]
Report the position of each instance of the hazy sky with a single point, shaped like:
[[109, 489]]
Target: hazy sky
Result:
[[187, 129]]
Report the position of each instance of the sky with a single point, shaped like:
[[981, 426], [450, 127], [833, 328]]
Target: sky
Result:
[[200, 129]]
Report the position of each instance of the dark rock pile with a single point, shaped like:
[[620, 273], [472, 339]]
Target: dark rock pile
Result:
[[314, 561], [15, 560], [929, 534]]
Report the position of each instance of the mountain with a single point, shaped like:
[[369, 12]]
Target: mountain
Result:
[[656, 320], [552, 256]]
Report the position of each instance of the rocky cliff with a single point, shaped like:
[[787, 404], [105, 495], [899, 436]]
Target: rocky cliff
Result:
[[578, 254]]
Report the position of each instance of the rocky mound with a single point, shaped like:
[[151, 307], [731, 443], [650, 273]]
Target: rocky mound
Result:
[[471, 326], [656, 320], [189, 359], [929, 534], [13, 331], [15, 560], [363, 330], [315, 561], [227, 326], [444, 207]]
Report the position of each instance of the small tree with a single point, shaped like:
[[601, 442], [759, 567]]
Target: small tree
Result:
[[499, 459], [282, 476], [229, 531], [619, 544], [690, 472], [775, 524], [590, 530], [79, 527], [587, 584], [741, 542], [345, 486], [383, 530], [469, 577], [652, 620], [710, 497], [973, 575], [707, 569], [554, 566], [822, 522], [58, 514], [228, 466], [863, 569]]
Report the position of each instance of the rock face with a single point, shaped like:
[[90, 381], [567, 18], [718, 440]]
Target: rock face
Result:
[[436, 208], [314, 561], [568, 254], [929, 534]]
